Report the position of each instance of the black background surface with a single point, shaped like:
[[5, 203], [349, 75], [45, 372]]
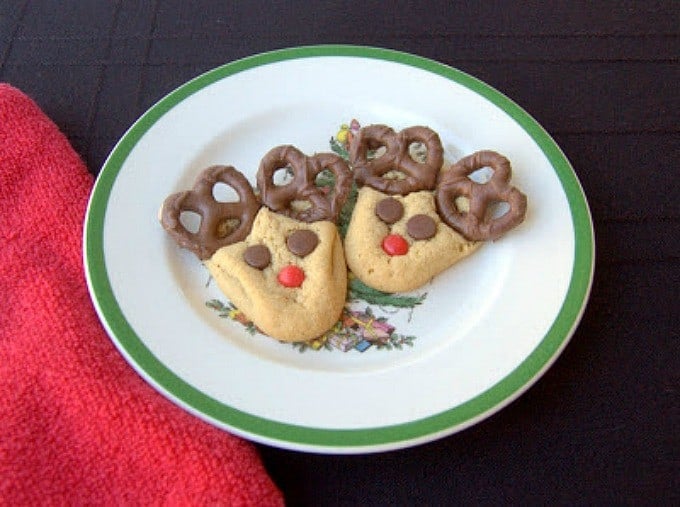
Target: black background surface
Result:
[[602, 77]]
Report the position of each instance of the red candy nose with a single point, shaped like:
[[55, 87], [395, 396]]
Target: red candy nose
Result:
[[291, 276], [395, 244]]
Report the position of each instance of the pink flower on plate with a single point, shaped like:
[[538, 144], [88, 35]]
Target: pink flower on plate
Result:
[[377, 331], [369, 327]]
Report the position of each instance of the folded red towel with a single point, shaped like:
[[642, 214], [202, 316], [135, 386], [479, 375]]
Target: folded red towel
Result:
[[77, 424]]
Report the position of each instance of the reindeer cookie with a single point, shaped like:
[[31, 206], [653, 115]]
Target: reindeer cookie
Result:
[[280, 261], [410, 223]]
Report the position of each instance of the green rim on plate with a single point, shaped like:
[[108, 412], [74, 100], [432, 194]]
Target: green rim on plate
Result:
[[301, 437]]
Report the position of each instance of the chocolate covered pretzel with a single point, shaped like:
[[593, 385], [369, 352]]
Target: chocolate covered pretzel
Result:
[[222, 223], [477, 223], [322, 205], [409, 174]]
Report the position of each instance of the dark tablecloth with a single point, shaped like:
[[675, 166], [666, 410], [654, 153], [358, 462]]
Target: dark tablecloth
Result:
[[602, 425]]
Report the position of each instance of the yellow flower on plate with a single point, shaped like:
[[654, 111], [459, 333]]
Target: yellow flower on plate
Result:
[[342, 134]]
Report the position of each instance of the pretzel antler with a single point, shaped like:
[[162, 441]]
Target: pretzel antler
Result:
[[476, 224], [212, 233], [279, 198], [417, 176]]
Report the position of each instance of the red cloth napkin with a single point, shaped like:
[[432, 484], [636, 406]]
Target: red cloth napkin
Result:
[[77, 424]]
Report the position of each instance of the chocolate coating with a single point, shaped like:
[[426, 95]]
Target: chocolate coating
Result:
[[278, 198], [417, 175], [210, 236], [389, 210], [476, 224], [421, 227], [257, 256], [302, 242]]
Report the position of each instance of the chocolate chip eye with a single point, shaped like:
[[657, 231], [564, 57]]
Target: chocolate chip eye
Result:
[[421, 227], [389, 210], [302, 242], [257, 256]]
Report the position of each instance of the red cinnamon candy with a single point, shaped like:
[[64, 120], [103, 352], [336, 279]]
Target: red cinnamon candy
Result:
[[394, 244], [291, 276]]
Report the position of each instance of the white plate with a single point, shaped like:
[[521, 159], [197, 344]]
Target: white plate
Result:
[[487, 329]]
